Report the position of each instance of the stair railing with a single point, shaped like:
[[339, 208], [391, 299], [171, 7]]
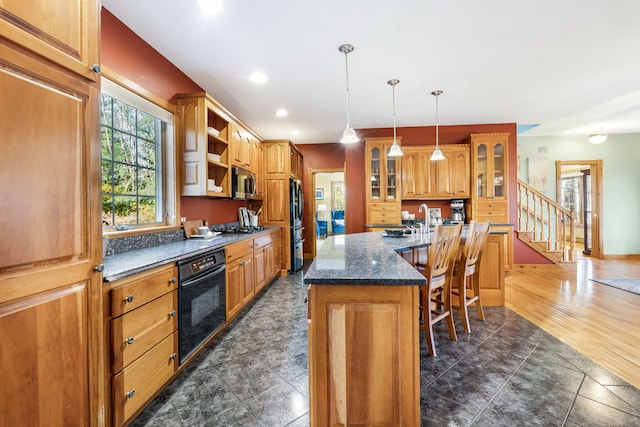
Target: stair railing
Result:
[[547, 220]]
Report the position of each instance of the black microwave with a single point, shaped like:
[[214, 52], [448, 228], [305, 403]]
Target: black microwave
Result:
[[243, 184]]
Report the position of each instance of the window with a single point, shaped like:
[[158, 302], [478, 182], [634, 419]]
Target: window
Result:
[[137, 160]]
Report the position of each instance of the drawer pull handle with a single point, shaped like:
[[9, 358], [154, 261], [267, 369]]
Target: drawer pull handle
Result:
[[131, 393], [172, 313], [173, 280], [130, 340], [129, 298], [230, 255], [173, 356]]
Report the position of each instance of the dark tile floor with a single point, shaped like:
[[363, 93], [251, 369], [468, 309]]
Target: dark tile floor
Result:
[[508, 372]]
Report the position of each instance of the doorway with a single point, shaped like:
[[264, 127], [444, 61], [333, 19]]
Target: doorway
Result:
[[579, 190], [328, 205]]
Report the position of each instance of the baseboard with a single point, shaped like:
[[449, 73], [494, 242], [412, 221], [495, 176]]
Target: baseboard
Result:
[[622, 257], [539, 266]]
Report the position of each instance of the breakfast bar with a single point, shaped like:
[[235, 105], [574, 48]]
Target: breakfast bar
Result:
[[364, 342]]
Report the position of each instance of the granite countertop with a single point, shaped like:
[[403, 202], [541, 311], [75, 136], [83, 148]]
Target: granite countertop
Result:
[[366, 259], [125, 264]]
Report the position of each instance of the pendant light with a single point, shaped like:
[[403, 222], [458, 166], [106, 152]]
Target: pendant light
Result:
[[437, 153], [395, 150], [349, 135]]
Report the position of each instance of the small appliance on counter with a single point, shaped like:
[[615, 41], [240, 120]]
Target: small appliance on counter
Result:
[[457, 212]]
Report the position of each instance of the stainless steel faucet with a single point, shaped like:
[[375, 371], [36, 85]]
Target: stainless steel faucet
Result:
[[424, 228]]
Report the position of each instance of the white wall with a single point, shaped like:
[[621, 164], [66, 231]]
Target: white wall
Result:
[[620, 186]]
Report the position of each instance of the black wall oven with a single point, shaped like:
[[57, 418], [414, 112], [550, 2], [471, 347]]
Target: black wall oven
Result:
[[201, 299]]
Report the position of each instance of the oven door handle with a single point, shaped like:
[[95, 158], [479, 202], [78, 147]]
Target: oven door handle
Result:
[[194, 279]]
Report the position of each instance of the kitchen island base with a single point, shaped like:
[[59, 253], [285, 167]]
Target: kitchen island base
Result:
[[364, 350]]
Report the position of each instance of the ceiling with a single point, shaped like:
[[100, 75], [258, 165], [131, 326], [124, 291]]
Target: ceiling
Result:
[[570, 67]]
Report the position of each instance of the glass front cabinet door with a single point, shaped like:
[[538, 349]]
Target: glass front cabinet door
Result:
[[383, 172]]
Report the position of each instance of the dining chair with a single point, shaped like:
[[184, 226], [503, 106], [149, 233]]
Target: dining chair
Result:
[[466, 275], [435, 296]]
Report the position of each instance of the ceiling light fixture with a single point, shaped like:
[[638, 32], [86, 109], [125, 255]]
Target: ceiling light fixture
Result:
[[395, 150], [437, 153], [349, 135], [258, 77], [597, 138], [282, 112]]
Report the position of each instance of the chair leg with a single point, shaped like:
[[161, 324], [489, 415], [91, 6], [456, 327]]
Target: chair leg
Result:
[[462, 294], [448, 307], [426, 316], [475, 279]]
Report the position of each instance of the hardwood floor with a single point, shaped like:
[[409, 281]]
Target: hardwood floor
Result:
[[599, 321]]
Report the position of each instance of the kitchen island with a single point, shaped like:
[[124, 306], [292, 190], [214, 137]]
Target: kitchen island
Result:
[[364, 342]]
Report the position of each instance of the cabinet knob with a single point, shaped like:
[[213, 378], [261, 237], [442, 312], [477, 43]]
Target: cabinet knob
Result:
[[172, 313], [173, 280], [131, 393], [173, 356], [99, 268], [130, 340], [96, 68], [229, 255], [129, 298]]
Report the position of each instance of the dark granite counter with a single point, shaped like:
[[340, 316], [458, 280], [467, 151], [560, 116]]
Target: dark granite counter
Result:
[[125, 264], [366, 259]]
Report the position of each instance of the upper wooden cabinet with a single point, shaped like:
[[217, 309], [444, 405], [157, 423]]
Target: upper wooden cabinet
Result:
[[443, 179], [490, 177], [382, 173], [65, 32], [203, 135], [241, 145], [296, 162]]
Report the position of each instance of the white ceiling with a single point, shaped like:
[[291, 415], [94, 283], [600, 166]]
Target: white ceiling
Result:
[[571, 66]]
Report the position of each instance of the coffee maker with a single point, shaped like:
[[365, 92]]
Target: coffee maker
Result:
[[457, 211]]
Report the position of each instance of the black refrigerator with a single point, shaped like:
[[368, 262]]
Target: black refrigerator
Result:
[[295, 223]]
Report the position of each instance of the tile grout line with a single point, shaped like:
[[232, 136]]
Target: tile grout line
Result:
[[566, 417]]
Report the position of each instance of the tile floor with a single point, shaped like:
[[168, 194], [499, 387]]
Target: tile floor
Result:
[[508, 372]]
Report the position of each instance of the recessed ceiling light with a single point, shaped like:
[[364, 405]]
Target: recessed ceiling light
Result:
[[258, 77], [295, 132], [210, 6], [282, 113]]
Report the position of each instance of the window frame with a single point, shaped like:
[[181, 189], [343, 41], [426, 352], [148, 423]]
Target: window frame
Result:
[[167, 167]]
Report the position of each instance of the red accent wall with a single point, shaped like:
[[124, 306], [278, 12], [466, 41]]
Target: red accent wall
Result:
[[127, 54]]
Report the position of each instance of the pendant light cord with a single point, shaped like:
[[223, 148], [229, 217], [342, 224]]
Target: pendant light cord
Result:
[[393, 87], [346, 69]]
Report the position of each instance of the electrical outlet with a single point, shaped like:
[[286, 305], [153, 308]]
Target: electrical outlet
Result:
[[183, 219]]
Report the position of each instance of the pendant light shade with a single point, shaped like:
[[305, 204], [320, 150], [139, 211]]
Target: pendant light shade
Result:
[[437, 153], [349, 135], [395, 150]]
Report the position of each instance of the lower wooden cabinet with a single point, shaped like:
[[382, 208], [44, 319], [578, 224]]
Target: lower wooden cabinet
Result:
[[143, 338], [138, 382], [364, 354], [384, 213]]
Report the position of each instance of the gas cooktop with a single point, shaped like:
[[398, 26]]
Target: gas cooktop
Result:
[[244, 230]]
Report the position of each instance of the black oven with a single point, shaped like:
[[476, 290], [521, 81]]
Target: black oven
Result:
[[201, 299]]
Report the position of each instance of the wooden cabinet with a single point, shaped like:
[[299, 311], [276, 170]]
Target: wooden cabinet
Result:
[[364, 355], [241, 146], [250, 266], [490, 176], [382, 182], [423, 178], [492, 271], [144, 338], [64, 32], [276, 237], [278, 155], [258, 168], [51, 311], [296, 162], [203, 132]]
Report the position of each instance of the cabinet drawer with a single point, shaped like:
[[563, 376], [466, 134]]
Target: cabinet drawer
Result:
[[142, 290], [135, 385], [491, 208], [238, 250], [259, 242], [134, 333]]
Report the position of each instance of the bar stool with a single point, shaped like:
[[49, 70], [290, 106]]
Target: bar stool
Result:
[[435, 296], [466, 274]]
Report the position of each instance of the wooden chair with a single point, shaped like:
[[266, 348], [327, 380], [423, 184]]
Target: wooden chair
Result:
[[435, 297], [466, 274]]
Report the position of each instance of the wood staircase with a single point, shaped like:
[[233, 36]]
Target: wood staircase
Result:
[[545, 225]]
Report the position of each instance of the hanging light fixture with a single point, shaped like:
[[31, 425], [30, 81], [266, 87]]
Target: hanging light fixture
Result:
[[349, 135], [437, 153], [395, 150]]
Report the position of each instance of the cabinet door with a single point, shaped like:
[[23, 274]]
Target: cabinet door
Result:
[[65, 32], [235, 288], [277, 200], [417, 177], [460, 172], [50, 296], [277, 160], [248, 282], [382, 172], [490, 166]]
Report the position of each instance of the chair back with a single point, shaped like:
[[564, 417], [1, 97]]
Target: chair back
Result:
[[443, 250], [476, 239]]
